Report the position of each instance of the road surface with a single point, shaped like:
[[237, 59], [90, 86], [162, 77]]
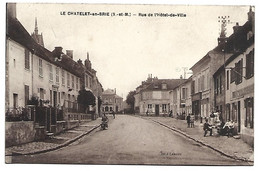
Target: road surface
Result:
[[132, 140]]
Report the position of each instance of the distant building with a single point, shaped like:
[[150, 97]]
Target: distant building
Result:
[[111, 101], [36, 36], [153, 95]]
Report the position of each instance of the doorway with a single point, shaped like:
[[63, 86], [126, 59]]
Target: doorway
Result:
[[156, 110]]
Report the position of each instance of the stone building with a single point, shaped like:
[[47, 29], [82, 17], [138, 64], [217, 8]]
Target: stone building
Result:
[[111, 101], [52, 76], [153, 95], [234, 81]]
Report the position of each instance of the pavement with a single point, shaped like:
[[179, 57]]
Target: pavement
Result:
[[55, 142], [232, 147]]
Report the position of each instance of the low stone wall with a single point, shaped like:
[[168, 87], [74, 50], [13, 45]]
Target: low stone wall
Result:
[[249, 139], [72, 124], [19, 132], [60, 126]]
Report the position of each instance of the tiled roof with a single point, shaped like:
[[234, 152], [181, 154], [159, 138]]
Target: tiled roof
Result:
[[18, 33], [171, 84], [108, 92], [233, 40]]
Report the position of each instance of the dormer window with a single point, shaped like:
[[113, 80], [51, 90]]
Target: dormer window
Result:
[[164, 86]]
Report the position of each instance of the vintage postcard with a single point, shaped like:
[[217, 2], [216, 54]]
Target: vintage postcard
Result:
[[118, 84]]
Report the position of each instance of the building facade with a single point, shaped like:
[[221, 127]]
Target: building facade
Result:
[[153, 96], [50, 76], [111, 101], [234, 81]]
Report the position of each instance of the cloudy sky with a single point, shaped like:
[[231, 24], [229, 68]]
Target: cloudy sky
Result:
[[124, 50]]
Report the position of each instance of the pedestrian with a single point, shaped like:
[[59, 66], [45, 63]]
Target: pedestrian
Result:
[[113, 113], [147, 112], [170, 115], [192, 121], [207, 127], [188, 120]]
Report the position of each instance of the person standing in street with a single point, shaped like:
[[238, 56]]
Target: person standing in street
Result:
[[113, 113], [188, 120]]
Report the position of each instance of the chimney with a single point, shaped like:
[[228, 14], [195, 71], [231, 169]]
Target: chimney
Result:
[[251, 18], [11, 10], [115, 90], [57, 51], [236, 27], [80, 61], [69, 53]]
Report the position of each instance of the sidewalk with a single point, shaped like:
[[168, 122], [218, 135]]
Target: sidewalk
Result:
[[57, 141], [232, 147]]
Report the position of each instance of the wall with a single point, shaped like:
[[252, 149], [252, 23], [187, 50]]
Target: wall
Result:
[[19, 132], [247, 134], [17, 65]]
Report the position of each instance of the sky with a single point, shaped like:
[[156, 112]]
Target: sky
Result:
[[124, 50]]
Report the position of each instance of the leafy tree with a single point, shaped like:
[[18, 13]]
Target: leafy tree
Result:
[[130, 100], [86, 98]]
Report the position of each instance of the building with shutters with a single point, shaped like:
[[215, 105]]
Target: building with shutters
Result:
[[153, 96], [34, 71]]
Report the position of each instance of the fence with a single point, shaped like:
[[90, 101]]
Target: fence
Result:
[[20, 114], [73, 107]]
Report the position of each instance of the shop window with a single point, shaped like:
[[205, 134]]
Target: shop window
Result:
[[249, 119]]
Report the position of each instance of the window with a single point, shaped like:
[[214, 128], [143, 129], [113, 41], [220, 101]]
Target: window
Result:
[[72, 81], [50, 97], [164, 86], [233, 75], [149, 106], [90, 82], [68, 80], [193, 87], [239, 71], [26, 94], [217, 88], [227, 80], [63, 77], [249, 119], [50, 73], [40, 68], [77, 83], [57, 75], [27, 59], [41, 93], [202, 82], [220, 84], [184, 93], [86, 81], [250, 64], [15, 101], [163, 107]]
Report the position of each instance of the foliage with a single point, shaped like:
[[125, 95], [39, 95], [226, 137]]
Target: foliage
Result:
[[86, 98], [130, 100]]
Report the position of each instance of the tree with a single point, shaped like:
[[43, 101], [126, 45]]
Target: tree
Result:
[[130, 100], [86, 98]]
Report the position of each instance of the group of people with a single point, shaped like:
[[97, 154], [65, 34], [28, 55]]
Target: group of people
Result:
[[222, 128], [190, 121]]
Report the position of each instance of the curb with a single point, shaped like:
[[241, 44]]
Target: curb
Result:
[[202, 143], [57, 147]]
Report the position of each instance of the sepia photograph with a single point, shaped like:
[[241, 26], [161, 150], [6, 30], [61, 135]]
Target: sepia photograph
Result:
[[129, 84]]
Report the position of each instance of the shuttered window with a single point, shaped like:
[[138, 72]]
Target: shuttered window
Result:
[[27, 59]]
